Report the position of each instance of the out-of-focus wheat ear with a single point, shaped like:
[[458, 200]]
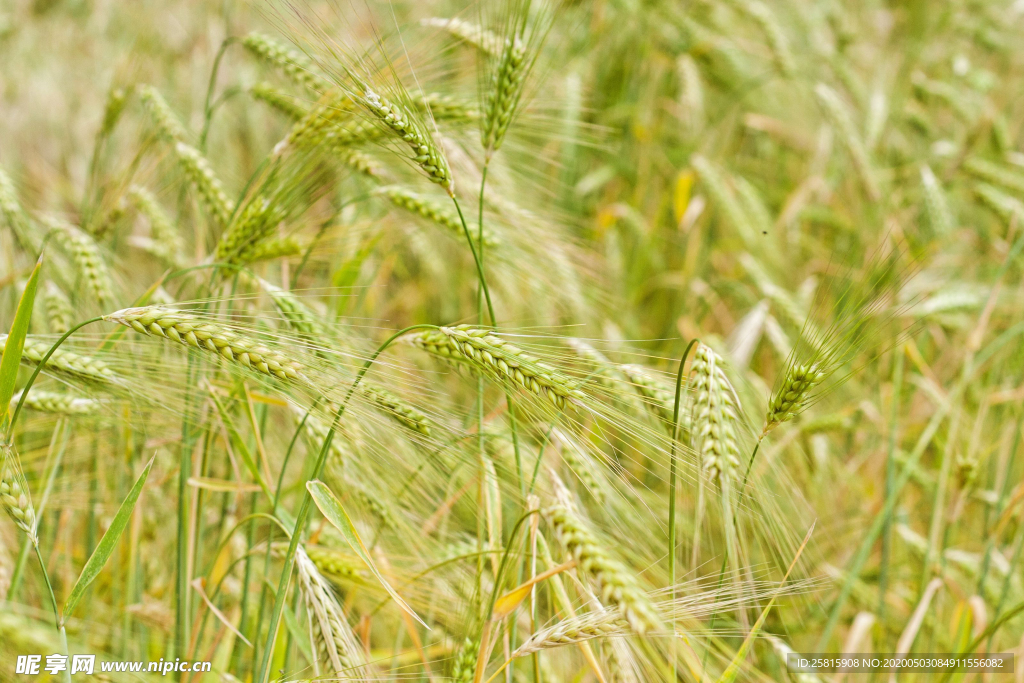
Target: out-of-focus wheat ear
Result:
[[616, 585], [691, 92], [447, 108], [774, 35], [936, 204], [430, 210], [715, 416], [85, 254], [165, 241], [61, 404], [337, 649], [251, 227], [13, 214], [274, 248], [1008, 208], [334, 564], [289, 105], [838, 115], [396, 408], [59, 315], [15, 497], [464, 662], [190, 330], [477, 36], [658, 396], [168, 127], [292, 63], [206, 183], [724, 199], [113, 107], [65, 364], [482, 350], [995, 173]]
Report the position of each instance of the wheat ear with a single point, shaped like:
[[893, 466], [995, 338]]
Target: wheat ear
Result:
[[65, 363], [86, 255], [167, 124], [335, 642], [294, 64], [52, 402], [59, 316], [14, 493], [200, 174], [431, 210]]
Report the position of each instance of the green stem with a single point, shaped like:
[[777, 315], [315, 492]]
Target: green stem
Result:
[[56, 610], [890, 478], [207, 108], [304, 509], [672, 491], [479, 265]]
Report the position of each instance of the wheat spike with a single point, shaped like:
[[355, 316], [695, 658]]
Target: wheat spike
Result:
[[13, 213], [504, 93], [59, 316], [62, 404], [658, 397], [715, 415], [335, 643], [1003, 204], [477, 36], [840, 118], [15, 497], [573, 630], [200, 174], [86, 255], [168, 126], [426, 154], [773, 33], [292, 63], [482, 350], [724, 199], [65, 363], [431, 210], [793, 395], [190, 330], [617, 587], [936, 205], [248, 232], [289, 105], [995, 174], [334, 564], [167, 244], [464, 664], [396, 408]]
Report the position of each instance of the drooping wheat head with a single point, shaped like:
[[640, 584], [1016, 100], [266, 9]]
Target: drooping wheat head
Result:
[[396, 408], [85, 254], [292, 63], [477, 36], [168, 127], [199, 173], [66, 364], [59, 316], [431, 210], [15, 496], [59, 403], [337, 650]]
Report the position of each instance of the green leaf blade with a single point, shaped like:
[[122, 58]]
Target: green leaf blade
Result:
[[106, 546], [16, 342], [331, 508]]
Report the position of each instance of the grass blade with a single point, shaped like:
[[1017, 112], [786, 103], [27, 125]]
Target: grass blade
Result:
[[16, 342]]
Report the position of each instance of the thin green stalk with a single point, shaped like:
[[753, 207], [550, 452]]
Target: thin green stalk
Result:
[[56, 610], [304, 509], [476, 259], [672, 490], [207, 106], [890, 478]]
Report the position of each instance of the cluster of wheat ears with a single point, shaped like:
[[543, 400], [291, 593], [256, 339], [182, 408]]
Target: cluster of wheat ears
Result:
[[528, 340]]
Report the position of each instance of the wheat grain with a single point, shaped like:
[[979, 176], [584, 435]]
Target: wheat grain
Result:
[[257, 221], [793, 395], [714, 181], [63, 404], [464, 663], [168, 126], [86, 255], [575, 630], [482, 350], [334, 564], [15, 496], [503, 93], [292, 63], [274, 248], [192, 331], [200, 174], [617, 587], [396, 408], [287, 104], [773, 33], [715, 415]]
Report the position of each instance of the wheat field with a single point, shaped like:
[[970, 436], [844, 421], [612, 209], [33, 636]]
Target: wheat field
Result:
[[521, 340]]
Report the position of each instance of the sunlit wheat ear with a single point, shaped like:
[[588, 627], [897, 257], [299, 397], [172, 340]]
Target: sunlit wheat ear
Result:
[[286, 103], [85, 254], [12, 212], [575, 630], [15, 496], [293, 64], [167, 124], [482, 350], [792, 395], [65, 364], [166, 243], [425, 152], [337, 650], [190, 330], [252, 225], [477, 36], [431, 210], [200, 174], [715, 415], [838, 115], [59, 316], [62, 404], [396, 408], [616, 585]]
